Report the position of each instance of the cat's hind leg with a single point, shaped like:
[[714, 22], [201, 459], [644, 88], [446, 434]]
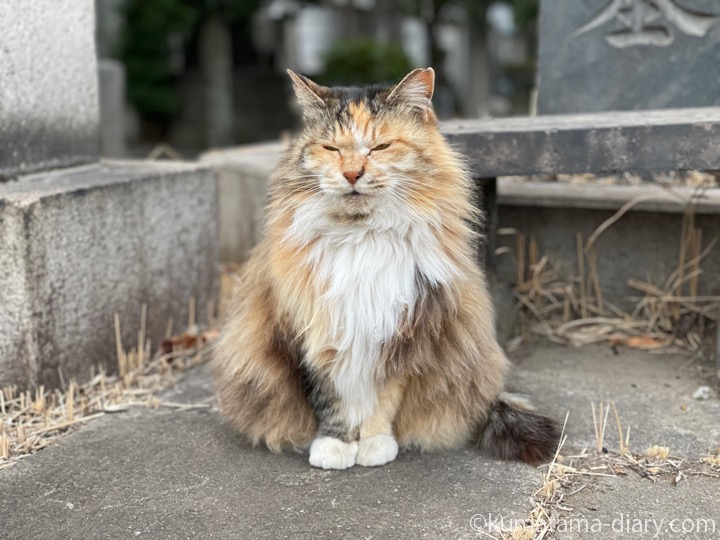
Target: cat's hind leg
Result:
[[259, 379]]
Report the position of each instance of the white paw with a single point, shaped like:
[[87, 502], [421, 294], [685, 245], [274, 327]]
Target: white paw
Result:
[[332, 453], [377, 450]]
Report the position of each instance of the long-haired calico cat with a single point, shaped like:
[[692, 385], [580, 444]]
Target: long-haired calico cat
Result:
[[363, 321]]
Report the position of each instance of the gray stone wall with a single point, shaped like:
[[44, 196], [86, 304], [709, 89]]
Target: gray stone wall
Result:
[[81, 239], [642, 245], [49, 114], [14, 309], [84, 243]]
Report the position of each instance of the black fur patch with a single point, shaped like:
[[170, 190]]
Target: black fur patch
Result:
[[326, 405], [518, 434], [417, 336]]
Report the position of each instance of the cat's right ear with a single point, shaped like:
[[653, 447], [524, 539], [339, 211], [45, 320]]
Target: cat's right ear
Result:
[[416, 91], [309, 94]]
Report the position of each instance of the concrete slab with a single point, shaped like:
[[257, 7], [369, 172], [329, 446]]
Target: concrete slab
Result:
[[186, 474], [80, 244], [598, 143], [48, 85], [632, 508], [653, 197], [652, 392]]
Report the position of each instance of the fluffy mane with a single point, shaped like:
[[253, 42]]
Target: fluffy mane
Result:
[[363, 320]]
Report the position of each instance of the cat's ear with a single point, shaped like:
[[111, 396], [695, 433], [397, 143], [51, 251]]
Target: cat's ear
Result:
[[309, 94], [415, 90]]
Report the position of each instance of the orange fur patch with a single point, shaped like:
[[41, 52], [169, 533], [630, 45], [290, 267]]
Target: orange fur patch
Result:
[[361, 115]]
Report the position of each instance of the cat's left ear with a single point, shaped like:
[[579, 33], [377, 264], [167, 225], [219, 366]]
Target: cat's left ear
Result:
[[415, 90], [309, 94]]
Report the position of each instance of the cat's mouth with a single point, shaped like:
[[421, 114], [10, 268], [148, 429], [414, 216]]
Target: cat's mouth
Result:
[[356, 203]]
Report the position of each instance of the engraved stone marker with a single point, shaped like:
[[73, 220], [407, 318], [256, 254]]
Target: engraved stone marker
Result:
[[49, 115], [604, 55]]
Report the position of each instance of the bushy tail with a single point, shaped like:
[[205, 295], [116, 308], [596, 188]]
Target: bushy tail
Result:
[[515, 432]]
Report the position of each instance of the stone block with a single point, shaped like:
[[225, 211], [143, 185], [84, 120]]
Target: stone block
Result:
[[83, 243], [49, 114], [598, 143], [243, 175], [642, 245], [606, 55]]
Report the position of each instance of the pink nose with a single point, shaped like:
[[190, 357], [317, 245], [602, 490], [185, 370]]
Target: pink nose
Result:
[[352, 176]]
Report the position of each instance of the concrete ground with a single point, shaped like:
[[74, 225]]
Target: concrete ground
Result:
[[157, 474]]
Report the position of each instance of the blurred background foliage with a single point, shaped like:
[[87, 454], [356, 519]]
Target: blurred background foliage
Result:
[[211, 72], [145, 50], [526, 13], [364, 61], [154, 33]]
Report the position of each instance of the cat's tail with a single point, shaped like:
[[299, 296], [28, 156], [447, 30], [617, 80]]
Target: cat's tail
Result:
[[514, 431]]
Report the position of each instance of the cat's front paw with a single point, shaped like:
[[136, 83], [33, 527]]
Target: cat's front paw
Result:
[[377, 450], [332, 453]]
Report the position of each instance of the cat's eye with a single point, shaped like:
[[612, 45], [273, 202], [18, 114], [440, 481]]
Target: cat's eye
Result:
[[330, 148], [381, 147]]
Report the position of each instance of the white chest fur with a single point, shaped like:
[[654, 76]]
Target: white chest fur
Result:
[[372, 284], [370, 276]]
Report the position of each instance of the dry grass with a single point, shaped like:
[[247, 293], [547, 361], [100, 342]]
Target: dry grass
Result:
[[712, 460], [32, 420], [568, 474], [571, 309], [654, 463]]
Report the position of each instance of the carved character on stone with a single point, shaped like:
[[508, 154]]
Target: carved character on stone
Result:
[[648, 22]]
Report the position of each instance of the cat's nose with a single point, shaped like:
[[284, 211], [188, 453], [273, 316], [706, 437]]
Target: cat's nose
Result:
[[352, 176]]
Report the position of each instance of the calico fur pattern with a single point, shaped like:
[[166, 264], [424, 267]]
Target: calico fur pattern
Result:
[[364, 322]]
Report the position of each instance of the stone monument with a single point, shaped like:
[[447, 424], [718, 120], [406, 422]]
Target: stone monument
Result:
[[48, 89], [84, 239], [605, 55]]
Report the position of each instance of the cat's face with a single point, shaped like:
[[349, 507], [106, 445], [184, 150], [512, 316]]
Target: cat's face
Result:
[[363, 147]]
